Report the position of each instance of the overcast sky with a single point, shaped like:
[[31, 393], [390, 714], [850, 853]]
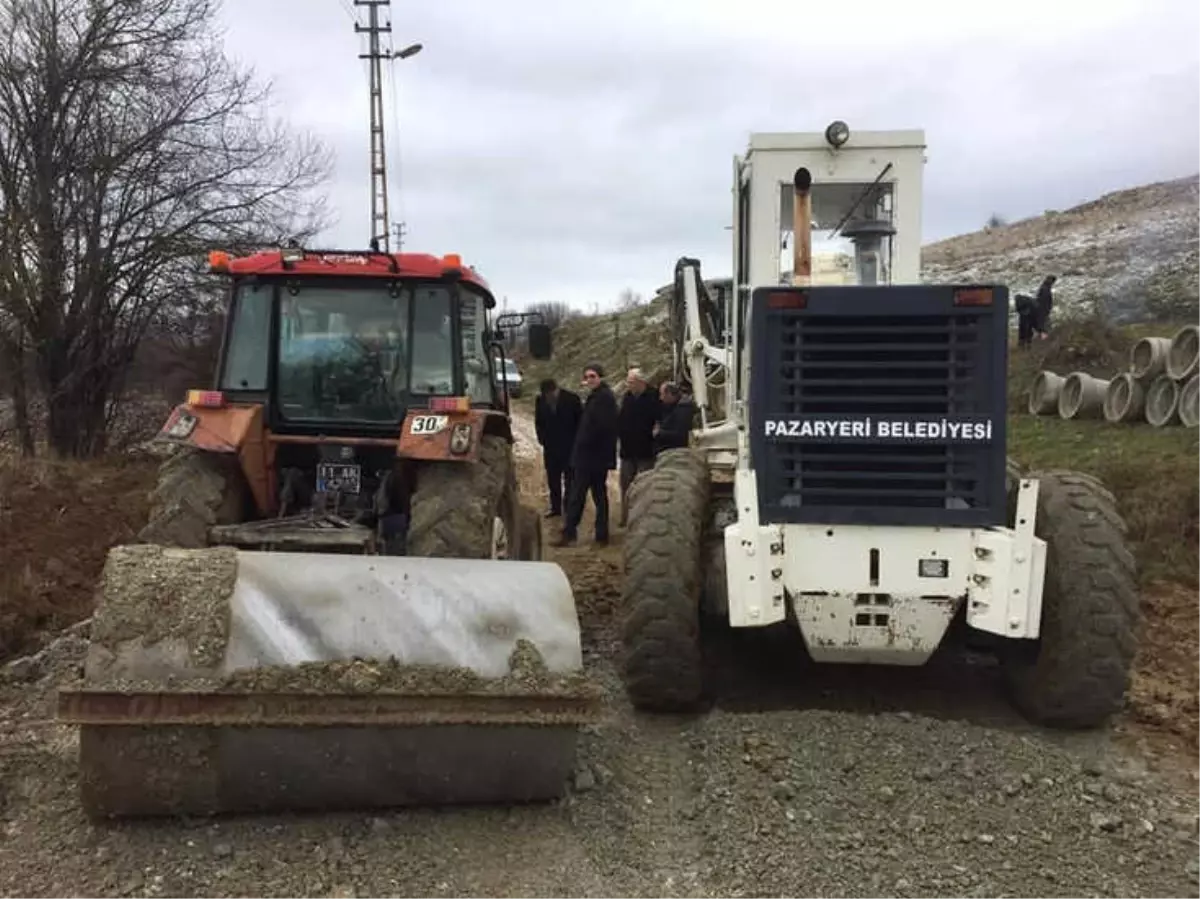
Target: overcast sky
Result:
[[569, 149]]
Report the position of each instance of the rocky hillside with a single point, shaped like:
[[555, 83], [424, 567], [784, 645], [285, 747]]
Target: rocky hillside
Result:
[[1135, 254], [1134, 251]]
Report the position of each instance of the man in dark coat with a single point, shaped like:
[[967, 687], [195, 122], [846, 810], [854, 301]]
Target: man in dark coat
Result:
[[556, 417], [635, 428], [593, 457], [1026, 315], [674, 427], [1043, 303]]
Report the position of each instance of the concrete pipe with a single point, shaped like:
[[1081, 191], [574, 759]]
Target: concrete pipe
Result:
[[1148, 358], [1162, 402], [1043, 395], [1082, 396], [1125, 399], [1189, 402], [1183, 353]]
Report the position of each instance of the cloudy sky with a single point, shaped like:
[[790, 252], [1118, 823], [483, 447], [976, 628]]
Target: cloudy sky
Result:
[[571, 149]]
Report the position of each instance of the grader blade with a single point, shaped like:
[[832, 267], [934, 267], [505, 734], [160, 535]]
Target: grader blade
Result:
[[220, 680]]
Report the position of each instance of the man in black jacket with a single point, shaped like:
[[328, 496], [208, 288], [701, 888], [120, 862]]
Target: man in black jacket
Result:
[[593, 457], [556, 418], [1043, 303], [635, 428], [674, 427]]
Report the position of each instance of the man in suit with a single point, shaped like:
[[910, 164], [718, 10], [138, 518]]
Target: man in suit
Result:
[[556, 418], [635, 429], [593, 457]]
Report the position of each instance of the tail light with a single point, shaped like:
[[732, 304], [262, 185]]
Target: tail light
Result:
[[787, 299], [449, 404], [973, 296], [206, 399]]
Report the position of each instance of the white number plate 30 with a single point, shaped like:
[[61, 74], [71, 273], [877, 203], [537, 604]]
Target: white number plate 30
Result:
[[428, 424]]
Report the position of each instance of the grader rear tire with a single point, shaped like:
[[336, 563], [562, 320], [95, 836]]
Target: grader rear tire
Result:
[[456, 504], [195, 491], [1080, 671], [662, 667]]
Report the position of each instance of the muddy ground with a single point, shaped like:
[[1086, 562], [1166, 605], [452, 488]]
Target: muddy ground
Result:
[[800, 781]]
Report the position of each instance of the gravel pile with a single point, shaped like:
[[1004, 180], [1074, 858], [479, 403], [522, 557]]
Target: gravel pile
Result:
[[798, 801]]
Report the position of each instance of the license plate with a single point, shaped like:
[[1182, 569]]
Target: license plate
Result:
[[338, 477]]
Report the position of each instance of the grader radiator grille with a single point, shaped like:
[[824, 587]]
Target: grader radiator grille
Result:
[[878, 406]]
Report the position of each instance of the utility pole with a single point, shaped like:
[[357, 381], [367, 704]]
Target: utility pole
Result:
[[399, 228], [379, 198]]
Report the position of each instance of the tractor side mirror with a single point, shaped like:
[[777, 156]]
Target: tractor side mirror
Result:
[[540, 343]]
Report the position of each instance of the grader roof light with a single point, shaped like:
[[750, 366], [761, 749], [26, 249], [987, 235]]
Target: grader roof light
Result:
[[837, 133]]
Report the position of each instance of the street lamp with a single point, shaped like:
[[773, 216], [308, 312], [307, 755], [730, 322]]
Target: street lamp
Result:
[[410, 50]]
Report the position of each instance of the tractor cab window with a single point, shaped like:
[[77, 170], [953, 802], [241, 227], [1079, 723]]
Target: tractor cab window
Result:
[[245, 365], [433, 341], [472, 325], [343, 353]]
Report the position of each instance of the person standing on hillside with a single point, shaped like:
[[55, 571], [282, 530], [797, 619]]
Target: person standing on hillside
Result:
[[1043, 303], [593, 457], [635, 429], [556, 418], [1026, 315]]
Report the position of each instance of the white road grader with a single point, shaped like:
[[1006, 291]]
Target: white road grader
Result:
[[848, 473]]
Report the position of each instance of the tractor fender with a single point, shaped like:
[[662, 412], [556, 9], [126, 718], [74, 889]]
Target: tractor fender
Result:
[[449, 436], [235, 428]]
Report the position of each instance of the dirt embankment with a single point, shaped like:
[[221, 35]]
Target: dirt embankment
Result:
[[57, 522]]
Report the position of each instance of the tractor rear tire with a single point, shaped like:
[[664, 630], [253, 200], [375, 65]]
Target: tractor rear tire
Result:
[[195, 490], [456, 504], [662, 666], [1079, 672]]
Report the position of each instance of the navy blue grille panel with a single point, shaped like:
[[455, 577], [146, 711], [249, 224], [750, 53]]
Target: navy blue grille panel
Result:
[[879, 405]]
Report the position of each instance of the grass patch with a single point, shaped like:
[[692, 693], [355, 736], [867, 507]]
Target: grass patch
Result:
[[615, 340], [1153, 473]]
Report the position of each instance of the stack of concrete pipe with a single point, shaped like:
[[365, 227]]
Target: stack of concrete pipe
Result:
[[1160, 386]]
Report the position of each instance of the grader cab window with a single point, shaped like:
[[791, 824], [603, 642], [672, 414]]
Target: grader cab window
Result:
[[852, 230]]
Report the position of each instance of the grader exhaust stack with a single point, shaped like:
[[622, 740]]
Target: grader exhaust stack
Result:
[[802, 228]]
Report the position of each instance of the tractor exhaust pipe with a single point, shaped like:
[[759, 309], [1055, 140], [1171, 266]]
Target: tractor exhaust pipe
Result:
[[802, 228]]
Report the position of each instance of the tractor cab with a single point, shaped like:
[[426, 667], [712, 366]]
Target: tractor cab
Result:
[[348, 341]]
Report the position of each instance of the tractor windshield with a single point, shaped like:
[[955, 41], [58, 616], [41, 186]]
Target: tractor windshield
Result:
[[358, 353]]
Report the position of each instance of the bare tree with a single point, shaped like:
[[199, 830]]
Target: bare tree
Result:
[[628, 300], [129, 145], [554, 313]]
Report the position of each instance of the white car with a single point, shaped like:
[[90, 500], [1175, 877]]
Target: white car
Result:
[[510, 374]]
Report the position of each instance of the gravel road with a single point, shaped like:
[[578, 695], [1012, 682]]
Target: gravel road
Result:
[[798, 782]]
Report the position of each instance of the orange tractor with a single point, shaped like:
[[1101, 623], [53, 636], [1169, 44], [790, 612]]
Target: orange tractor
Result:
[[337, 577]]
